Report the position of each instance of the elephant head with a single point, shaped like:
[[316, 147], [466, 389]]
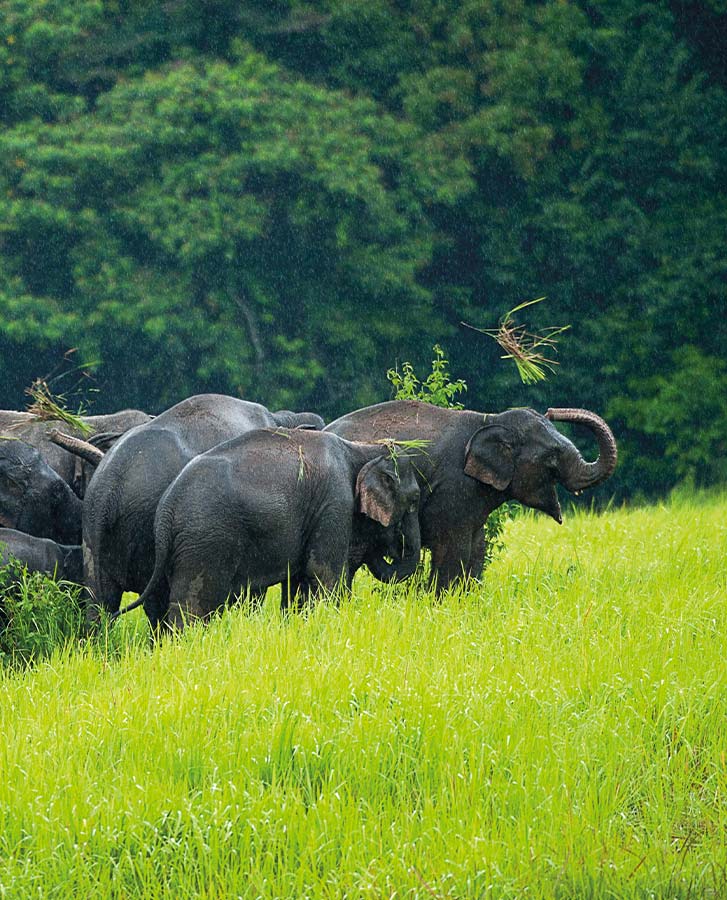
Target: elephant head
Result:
[[34, 498], [521, 454], [388, 493], [288, 419]]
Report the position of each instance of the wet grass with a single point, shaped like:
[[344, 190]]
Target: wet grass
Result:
[[559, 731]]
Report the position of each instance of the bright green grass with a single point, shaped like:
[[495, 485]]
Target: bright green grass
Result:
[[559, 731]]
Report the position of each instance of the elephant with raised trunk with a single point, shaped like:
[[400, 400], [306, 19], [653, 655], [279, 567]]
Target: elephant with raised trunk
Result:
[[473, 462], [302, 508], [103, 432], [119, 508]]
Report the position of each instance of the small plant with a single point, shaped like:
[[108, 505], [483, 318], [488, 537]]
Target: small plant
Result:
[[437, 388], [523, 347]]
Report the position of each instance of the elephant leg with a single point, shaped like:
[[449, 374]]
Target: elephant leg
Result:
[[476, 563], [103, 596], [247, 596], [326, 567], [450, 559], [195, 594], [156, 605], [293, 592]]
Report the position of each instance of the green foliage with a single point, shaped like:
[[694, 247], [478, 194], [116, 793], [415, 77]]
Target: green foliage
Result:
[[276, 199], [38, 616], [558, 731], [683, 412], [437, 388]]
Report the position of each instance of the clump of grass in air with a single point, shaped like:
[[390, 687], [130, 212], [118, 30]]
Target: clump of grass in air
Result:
[[48, 406], [527, 350]]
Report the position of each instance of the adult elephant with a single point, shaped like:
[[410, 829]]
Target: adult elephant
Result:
[[34, 498], [119, 508], [297, 507], [473, 462], [104, 431]]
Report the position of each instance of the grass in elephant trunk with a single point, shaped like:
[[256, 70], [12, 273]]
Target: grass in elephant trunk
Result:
[[557, 731]]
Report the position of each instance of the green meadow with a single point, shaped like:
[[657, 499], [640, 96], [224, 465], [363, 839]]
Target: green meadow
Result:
[[557, 731]]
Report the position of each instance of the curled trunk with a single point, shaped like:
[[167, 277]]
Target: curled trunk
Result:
[[576, 473]]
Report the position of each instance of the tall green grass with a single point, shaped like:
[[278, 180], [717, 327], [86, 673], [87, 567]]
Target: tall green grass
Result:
[[559, 731]]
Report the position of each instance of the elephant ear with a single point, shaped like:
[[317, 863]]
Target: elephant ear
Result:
[[376, 491], [489, 457]]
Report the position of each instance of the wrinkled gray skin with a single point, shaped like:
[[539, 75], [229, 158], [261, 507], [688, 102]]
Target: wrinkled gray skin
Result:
[[474, 462], [34, 498], [119, 508], [74, 471], [302, 508], [61, 561]]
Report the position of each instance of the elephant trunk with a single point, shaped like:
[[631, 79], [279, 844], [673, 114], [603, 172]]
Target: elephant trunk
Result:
[[394, 571], [404, 565], [577, 474], [77, 446]]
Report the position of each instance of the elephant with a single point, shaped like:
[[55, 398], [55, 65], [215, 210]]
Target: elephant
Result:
[[61, 561], [302, 508], [34, 498], [105, 430], [119, 508], [473, 462]]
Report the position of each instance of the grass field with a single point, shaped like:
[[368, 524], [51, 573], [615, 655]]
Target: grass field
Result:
[[559, 731]]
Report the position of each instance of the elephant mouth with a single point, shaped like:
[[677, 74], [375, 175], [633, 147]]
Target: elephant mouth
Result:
[[553, 510]]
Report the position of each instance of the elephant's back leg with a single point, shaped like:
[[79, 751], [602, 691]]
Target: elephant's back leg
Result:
[[195, 592], [103, 591]]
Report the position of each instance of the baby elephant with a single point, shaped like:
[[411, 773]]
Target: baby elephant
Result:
[[302, 508], [42, 555]]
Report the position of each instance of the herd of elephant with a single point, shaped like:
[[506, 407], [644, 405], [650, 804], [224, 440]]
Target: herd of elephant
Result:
[[218, 496]]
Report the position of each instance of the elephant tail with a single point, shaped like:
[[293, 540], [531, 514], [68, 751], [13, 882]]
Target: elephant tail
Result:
[[162, 533]]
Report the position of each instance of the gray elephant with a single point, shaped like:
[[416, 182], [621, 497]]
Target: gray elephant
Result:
[[34, 498], [302, 508], [473, 462], [60, 561], [119, 508], [77, 473]]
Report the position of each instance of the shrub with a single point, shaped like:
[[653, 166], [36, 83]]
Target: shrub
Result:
[[37, 614]]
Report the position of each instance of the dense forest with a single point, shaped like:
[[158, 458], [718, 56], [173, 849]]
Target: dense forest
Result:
[[281, 200]]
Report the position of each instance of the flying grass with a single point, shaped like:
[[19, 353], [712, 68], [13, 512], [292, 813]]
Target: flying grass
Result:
[[48, 406], [527, 350], [557, 731]]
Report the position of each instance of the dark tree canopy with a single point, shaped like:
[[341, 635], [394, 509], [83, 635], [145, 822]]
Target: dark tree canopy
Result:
[[279, 200]]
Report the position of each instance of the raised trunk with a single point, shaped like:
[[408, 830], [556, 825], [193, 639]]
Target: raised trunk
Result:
[[77, 446], [577, 474]]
